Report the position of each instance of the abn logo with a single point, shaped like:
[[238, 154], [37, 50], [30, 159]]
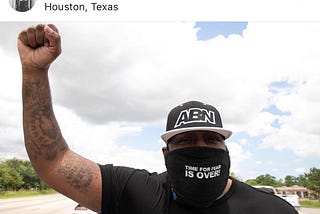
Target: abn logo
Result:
[[193, 115]]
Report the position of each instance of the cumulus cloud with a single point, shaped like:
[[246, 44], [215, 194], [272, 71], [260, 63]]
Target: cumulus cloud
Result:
[[237, 155], [301, 143], [301, 170], [98, 142], [11, 133], [113, 78]]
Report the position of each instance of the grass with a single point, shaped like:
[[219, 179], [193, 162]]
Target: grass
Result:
[[24, 193], [310, 203]]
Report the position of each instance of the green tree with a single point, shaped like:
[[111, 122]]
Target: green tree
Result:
[[313, 181], [29, 176], [290, 180], [233, 175], [267, 180], [10, 179], [18, 174], [251, 182], [302, 181]]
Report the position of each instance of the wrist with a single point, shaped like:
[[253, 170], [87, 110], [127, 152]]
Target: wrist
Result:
[[33, 74]]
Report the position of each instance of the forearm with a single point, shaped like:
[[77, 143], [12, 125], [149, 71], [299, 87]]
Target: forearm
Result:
[[43, 138], [62, 169]]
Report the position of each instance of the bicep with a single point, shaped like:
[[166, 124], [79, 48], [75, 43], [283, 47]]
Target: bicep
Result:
[[79, 179]]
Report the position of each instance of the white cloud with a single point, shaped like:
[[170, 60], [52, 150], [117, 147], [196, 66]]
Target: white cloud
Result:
[[301, 170], [269, 162], [111, 77], [237, 155], [301, 143], [11, 133], [258, 162], [99, 142]]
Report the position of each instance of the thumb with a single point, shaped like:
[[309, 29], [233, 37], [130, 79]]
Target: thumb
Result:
[[52, 39], [52, 36]]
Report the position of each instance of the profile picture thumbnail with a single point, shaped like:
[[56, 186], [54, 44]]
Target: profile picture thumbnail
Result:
[[22, 5]]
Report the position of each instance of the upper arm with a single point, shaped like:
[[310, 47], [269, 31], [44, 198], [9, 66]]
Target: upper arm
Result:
[[77, 178]]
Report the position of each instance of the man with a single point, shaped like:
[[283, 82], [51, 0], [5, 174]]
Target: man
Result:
[[197, 160]]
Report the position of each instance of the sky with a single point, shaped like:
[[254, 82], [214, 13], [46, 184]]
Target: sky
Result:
[[115, 82]]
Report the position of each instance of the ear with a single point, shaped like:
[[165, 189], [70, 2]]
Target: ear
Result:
[[164, 152]]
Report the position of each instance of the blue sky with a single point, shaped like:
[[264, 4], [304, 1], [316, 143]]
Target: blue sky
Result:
[[209, 30]]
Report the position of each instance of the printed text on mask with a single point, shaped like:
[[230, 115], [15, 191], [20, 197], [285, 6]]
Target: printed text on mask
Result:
[[202, 172]]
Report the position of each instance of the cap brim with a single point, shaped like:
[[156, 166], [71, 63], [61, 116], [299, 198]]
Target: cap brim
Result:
[[169, 134]]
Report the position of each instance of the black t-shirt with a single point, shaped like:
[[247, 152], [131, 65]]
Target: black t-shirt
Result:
[[133, 191]]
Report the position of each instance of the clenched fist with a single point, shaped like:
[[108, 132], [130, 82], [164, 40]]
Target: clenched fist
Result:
[[39, 46]]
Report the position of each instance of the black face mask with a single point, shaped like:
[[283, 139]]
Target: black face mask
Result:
[[198, 175]]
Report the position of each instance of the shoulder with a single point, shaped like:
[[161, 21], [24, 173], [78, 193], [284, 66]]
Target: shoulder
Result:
[[122, 173], [259, 200], [245, 188], [250, 191]]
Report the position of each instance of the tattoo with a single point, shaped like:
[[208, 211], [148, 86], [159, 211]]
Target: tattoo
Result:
[[44, 140], [42, 133], [76, 174]]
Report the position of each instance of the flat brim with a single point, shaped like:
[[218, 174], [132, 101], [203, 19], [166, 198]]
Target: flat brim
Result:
[[169, 134]]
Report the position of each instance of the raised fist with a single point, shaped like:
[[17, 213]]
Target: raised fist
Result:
[[39, 46]]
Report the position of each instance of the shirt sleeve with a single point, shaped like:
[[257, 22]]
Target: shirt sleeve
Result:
[[128, 188]]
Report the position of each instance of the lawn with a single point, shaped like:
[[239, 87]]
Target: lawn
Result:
[[310, 203], [24, 193]]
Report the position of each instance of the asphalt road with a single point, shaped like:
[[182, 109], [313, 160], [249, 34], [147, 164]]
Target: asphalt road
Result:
[[48, 204], [59, 204], [309, 211]]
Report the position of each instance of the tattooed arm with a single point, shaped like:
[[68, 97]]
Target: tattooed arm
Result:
[[61, 168]]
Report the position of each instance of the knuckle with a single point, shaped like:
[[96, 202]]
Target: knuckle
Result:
[[30, 29]]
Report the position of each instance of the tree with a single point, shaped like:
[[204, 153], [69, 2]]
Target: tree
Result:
[[29, 176], [302, 181], [251, 182], [290, 180], [10, 179], [18, 174], [313, 181], [233, 175], [267, 180]]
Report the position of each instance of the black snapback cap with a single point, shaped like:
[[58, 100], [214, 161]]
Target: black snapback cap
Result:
[[194, 116]]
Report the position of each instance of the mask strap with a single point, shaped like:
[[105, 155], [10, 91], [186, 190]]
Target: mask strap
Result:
[[227, 150], [168, 147]]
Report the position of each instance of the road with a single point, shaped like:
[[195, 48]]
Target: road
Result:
[[48, 204], [309, 211], [59, 204]]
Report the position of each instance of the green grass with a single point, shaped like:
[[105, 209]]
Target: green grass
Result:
[[310, 203], [24, 193]]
